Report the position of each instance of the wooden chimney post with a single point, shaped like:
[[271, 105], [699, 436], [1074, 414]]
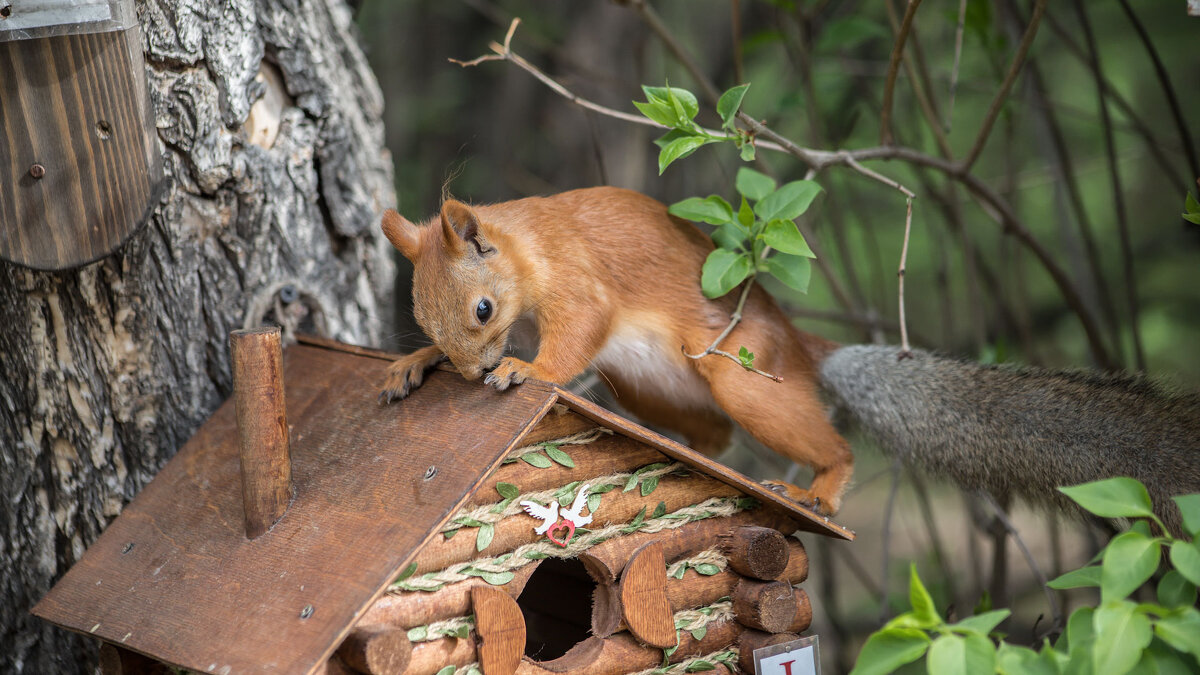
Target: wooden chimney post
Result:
[[262, 426]]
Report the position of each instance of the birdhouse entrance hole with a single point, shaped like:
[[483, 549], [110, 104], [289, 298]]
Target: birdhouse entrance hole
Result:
[[557, 604]]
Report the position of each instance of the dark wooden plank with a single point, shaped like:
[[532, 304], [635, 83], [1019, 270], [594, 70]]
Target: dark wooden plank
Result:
[[75, 107], [806, 519], [175, 577]]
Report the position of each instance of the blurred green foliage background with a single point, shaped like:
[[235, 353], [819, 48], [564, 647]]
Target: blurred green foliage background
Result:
[[817, 71]]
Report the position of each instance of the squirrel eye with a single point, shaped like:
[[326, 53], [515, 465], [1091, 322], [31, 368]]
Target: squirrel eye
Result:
[[483, 311]]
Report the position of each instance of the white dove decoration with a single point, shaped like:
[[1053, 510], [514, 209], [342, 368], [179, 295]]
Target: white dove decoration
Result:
[[573, 514], [548, 514]]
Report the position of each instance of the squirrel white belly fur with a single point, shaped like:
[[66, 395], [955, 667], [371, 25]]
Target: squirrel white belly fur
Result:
[[612, 281]]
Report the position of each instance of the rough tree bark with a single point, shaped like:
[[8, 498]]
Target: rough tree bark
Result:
[[270, 121]]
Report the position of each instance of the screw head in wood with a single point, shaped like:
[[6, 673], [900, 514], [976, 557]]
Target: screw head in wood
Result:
[[430, 472], [37, 171], [306, 612]]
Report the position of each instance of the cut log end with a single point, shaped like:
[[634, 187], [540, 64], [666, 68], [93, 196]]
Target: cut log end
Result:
[[803, 618], [764, 605], [380, 650], [756, 552], [644, 603]]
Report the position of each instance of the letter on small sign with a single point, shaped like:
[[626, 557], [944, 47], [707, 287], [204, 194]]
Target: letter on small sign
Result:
[[798, 657]]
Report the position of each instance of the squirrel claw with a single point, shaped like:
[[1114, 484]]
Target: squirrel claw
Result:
[[510, 371]]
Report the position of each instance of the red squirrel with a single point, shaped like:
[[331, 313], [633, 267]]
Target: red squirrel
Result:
[[612, 282]]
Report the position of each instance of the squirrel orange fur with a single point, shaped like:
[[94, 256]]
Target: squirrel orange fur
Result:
[[612, 282]]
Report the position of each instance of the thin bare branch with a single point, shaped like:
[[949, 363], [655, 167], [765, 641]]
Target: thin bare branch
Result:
[[958, 42], [985, 129], [1055, 609], [734, 319], [889, 86], [905, 351]]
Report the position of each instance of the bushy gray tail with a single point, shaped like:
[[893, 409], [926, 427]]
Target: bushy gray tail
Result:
[[1021, 431]]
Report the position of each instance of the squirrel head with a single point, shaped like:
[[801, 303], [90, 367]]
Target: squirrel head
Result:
[[465, 294]]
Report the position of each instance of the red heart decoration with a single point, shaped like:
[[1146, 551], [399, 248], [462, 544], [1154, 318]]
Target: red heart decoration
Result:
[[562, 525]]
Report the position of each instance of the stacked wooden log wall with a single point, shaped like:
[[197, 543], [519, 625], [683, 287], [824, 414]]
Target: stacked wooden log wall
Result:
[[665, 545]]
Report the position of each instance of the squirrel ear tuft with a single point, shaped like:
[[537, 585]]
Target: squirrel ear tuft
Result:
[[460, 225], [405, 236]]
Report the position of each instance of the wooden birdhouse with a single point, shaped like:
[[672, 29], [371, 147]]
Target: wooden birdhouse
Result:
[[459, 530], [79, 165]]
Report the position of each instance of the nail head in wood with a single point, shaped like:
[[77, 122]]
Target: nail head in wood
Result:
[[37, 171], [262, 426], [756, 552]]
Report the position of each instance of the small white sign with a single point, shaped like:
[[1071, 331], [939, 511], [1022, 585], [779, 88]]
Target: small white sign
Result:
[[798, 657]]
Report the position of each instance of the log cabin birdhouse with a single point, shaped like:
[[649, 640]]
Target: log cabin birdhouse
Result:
[[79, 165], [459, 530]]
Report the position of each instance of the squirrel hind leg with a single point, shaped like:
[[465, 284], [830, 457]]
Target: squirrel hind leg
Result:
[[789, 418]]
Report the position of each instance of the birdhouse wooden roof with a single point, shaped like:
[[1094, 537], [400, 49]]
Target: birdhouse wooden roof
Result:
[[175, 576]]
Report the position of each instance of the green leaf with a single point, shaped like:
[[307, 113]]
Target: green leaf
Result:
[[730, 237], [1185, 556], [699, 666], [1121, 635], [686, 99], [753, 185], [660, 510], [508, 490], [788, 202], [678, 149], [658, 111], [699, 633], [408, 572], [448, 670], [665, 140], [745, 215], [536, 459], [1130, 559], [1192, 218], [1014, 660], [1118, 497], [484, 536], [983, 623], [418, 634], [723, 271], [711, 209], [1181, 631], [745, 357], [649, 485], [1161, 659], [1174, 590], [888, 649], [731, 100], [560, 456], [793, 270], [968, 655], [593, 501], [679, 571], [747, 152], [1079, 626], [922, 603], [1189, 506], [1191, 204], [1084, 577], [783, 235], [495, 578], [707, 569]]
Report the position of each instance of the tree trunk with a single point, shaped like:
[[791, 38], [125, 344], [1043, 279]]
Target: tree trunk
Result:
[[270, 123]]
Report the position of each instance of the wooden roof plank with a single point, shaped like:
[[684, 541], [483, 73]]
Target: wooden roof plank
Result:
[[175, 577]]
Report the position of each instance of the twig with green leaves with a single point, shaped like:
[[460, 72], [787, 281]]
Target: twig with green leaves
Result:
[[1117, 636]]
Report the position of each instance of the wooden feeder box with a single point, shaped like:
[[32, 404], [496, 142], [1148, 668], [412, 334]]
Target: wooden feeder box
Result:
[[402, 546], [79, 164]]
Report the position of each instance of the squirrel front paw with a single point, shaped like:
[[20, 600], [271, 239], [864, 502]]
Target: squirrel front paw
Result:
[[800, 496], [407, 373], [510, 371]]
